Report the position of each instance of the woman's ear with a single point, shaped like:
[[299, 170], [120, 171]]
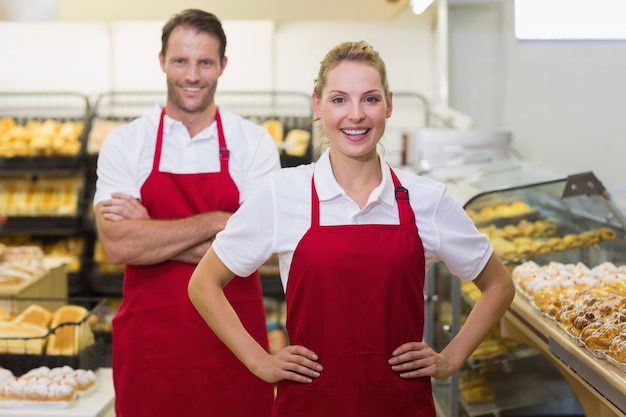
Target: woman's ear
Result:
[[316, 106], [389, 105]]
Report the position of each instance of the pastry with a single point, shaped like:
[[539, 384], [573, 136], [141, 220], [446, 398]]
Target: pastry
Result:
[[606, 233], [58, 391], [14, 388], [85, 379]]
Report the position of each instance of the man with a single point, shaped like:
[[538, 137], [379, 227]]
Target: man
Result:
[[167, 184]]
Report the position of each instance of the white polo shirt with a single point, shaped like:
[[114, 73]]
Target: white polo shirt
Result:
[[274, 219], [126, 156]]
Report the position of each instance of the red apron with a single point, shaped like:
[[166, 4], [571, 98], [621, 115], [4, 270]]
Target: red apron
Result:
[[166, 360], [354, 294]]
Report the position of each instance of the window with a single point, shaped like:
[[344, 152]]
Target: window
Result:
[[570, 19]]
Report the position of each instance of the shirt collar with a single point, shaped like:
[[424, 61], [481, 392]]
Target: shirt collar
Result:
[[328, 188], [169, 123]]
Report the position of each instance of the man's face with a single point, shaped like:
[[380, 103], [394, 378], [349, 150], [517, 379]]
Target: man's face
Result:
[[192, 67]]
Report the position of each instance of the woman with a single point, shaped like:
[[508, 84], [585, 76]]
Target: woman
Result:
[[355, 238]]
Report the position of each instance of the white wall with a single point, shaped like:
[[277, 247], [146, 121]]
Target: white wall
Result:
[[95, 57], [564, 100]]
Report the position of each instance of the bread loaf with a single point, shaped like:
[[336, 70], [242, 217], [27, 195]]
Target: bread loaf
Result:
[[297, 142], [22, 338], [35, 314], [70, 333], [275, 129]]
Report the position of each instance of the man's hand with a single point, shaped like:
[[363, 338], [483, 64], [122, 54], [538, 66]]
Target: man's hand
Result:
[[123, 207]]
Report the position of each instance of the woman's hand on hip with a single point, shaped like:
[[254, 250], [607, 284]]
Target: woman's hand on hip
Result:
[[293, 363], [417, 359]]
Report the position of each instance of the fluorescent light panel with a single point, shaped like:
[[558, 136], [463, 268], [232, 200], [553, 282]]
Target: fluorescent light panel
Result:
[[419, 6]]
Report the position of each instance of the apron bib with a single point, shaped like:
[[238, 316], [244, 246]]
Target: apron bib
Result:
[[166, 360], [354, 294]]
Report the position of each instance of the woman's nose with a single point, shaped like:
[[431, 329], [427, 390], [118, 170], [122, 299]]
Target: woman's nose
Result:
[[356, 113]]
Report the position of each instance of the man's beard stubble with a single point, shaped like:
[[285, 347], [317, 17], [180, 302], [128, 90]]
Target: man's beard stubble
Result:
[[179, 102]]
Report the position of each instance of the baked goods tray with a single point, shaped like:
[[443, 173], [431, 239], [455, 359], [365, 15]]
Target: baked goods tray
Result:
[[17, 353]]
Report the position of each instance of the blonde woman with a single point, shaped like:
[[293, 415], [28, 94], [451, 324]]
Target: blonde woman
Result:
[[354, 238]]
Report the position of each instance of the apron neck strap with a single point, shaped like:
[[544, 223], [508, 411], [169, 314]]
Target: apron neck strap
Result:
[[405, 212]]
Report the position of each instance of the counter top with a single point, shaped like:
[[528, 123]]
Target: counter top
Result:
[[96, 404]]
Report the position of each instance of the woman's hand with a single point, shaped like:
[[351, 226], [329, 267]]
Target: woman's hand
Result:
[[293, 363], [417, 359]]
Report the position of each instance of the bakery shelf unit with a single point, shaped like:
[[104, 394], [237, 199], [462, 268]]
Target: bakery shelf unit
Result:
[[531, 214], [42, 165], [290, 110]]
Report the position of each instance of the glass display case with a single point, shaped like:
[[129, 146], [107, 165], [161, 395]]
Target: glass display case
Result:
[[530, 214]]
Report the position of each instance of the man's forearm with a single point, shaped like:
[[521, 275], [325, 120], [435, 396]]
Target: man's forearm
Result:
[[150, 241], [193, 254]]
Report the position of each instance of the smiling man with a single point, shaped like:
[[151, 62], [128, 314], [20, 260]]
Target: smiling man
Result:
[[167, 184]]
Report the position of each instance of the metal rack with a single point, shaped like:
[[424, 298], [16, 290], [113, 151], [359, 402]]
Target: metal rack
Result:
[[292, 110]]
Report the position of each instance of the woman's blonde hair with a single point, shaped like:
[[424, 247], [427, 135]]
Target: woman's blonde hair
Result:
[[353, 51]]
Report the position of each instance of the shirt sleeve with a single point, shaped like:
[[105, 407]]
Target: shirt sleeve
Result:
[[113, 168], [247, 241], [463, 249], [264, 159]]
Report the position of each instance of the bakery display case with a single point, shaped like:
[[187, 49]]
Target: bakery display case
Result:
[[538, 220]]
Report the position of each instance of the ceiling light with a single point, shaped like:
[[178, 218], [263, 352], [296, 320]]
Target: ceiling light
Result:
[[418, 6]]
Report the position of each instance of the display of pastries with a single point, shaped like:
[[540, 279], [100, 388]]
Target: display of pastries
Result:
[[500, 211], [588, 303], [46, 138], [44, 384], [48, 196], [526, 238]]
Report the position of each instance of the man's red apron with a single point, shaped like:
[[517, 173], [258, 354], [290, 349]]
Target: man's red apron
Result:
[[354, 294], [166, 360]]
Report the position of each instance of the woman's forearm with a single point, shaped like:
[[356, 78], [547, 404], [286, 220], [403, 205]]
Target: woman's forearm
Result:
[[206, 292]]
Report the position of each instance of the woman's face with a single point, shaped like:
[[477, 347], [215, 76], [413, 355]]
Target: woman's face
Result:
[[353, 109]]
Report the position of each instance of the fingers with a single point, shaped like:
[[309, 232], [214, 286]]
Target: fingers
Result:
[[298, 364], [123, 206], [412, 360]]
